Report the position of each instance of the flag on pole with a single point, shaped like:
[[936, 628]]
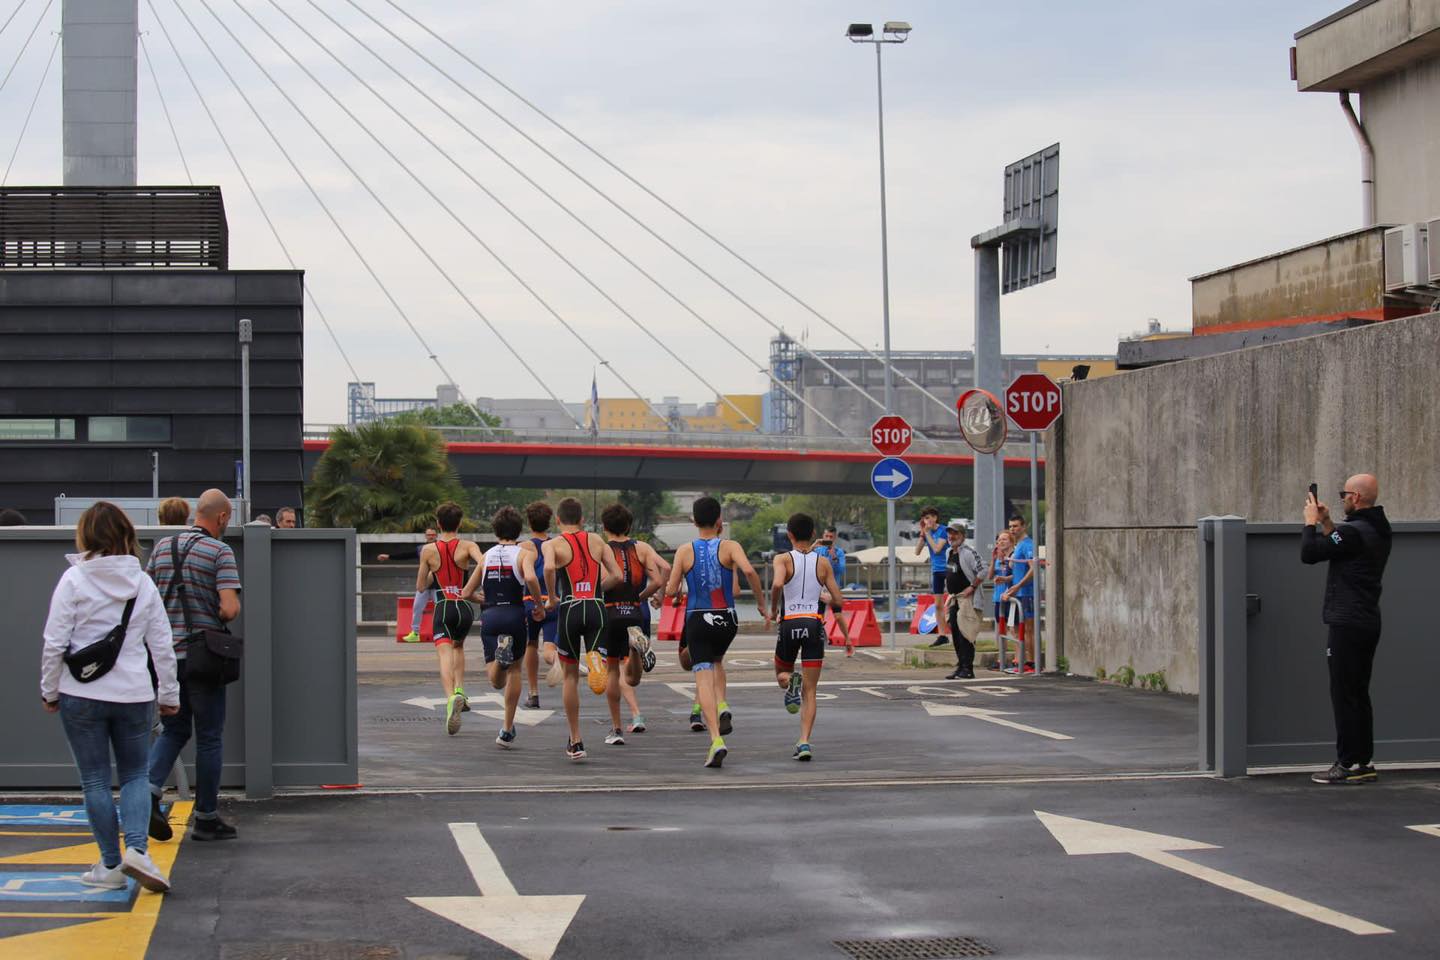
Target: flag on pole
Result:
[[594, 412]]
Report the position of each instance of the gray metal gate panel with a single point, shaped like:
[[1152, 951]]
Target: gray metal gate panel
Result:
[[1288, 712]]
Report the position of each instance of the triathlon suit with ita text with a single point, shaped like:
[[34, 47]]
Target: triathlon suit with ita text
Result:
[[581, 613], [623, 607], [802, 630], [453, 616]]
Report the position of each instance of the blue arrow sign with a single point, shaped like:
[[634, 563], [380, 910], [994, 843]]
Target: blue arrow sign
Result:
[[892, 478]]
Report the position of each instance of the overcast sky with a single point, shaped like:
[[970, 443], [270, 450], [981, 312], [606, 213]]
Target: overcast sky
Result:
[[1185, 147]]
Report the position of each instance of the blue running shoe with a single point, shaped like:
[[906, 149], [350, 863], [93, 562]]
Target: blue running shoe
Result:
[[792, 693], [802, 752], [506, 739]]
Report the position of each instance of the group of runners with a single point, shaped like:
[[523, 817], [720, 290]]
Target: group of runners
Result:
[[582, 601]]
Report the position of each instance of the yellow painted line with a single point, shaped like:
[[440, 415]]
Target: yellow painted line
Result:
[[79, 855], [116, 936], [65, 916]]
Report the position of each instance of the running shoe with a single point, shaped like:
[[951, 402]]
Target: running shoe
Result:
[[1029, 667], [412, 637], [107, 878], [725, 725], [464, 700], [533, 703], [599, 671], [640, 644], [697, 720], [792, 693], [452, 713], [575, 750], [506, 738], [505, 651], [802, 752], [1340, 773], [555, 674], [637, 725], [615, 738], [716, 756]]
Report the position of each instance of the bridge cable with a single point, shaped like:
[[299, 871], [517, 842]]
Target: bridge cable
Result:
[[423, 250], [615, 203], [255, 195], [663, 202], [26, 46], [31, 112], [313, 193], [13, 14], [759, 367], [160, 93], [471, 177], [420, 182], [720, 395]]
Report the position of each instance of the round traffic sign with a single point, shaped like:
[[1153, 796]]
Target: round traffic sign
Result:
[[1033, 401], [982, 422], [892, 478], [891, 435]]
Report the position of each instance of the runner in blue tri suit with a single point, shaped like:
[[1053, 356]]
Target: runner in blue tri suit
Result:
[[500, 579], [539, 515], [707, 565]]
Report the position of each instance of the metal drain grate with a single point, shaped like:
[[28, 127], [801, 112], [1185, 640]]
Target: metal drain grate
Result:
[[914, 948], [310, 951], [408, 718]]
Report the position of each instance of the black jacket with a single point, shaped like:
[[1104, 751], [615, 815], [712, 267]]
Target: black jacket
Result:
[[1357, 552]]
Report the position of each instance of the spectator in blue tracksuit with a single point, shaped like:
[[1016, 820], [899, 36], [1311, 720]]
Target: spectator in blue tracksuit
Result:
[[830, 550], [933, 538], [1022, 588]]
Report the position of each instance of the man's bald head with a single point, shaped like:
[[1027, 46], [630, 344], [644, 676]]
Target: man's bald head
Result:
[[1365, 490], [212, 504]]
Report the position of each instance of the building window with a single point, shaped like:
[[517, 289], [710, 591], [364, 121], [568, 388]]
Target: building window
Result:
[[37, 428], [129, 429]]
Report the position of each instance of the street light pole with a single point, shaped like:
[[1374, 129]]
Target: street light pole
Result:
[[894, 32], [247, 334]]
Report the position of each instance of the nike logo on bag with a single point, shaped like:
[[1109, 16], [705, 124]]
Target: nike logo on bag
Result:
[[89, 669]]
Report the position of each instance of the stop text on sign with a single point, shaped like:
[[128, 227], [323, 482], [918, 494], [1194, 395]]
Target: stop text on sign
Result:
[[1033, 401], [884, 436], [891, 435]]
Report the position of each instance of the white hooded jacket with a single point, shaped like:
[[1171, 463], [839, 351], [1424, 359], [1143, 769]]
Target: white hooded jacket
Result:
[[88, 603]]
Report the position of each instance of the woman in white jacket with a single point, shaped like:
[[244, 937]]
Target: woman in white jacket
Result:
[[113, 711]]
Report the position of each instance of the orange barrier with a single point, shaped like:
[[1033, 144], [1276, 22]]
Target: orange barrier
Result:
[[923, 602], [672, 620], [864, 628], [405, 611]]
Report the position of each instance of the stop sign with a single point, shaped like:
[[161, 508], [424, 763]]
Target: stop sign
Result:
[[891, 435], [1033, 401]]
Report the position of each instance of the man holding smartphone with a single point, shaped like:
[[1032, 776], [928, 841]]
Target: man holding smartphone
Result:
[[1357, 550]]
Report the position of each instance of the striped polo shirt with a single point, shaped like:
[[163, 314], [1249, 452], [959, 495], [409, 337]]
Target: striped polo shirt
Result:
[[209, 568]]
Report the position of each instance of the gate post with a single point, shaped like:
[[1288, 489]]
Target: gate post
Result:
[[1205, 642], [1228, 617], [258, 664]]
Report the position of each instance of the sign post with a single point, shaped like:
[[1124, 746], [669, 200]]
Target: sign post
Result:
[[1034, 402], [891, 478]]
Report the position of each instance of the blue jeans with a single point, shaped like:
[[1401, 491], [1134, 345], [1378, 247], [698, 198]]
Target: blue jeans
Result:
[[94, 728], [202, 706]]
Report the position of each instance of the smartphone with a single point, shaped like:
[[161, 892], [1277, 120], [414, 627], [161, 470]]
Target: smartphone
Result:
[[1315, 492]]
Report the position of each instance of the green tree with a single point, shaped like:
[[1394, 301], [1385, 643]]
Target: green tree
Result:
[[647, 506], [454, 415], [482, 502], [381, 478]]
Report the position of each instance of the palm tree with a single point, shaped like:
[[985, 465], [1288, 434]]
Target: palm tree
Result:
[[381, 478]]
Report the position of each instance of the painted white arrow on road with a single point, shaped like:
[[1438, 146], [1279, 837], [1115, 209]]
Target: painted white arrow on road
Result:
[[531, 926], [432, 703], [525, 718], [1433, 829], [1084, 837], [989, 716]]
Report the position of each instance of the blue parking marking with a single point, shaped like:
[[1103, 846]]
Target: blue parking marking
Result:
[[28, 815], [51, 887]]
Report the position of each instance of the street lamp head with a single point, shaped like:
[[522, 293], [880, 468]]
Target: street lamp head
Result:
[[897, 30], [859, 32]]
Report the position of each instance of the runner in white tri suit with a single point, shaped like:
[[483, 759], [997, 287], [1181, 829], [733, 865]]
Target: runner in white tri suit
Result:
[[499, 580]]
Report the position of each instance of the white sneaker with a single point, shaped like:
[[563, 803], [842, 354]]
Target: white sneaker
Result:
[[110, 878], [143, 869]]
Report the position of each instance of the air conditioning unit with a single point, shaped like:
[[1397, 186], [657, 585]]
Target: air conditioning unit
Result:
[[1406, 264], [1433, 251]]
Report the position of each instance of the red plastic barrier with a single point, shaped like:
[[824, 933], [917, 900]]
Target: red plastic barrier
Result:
[[672, 620], [864, 628], [923, 602], [405, 611]]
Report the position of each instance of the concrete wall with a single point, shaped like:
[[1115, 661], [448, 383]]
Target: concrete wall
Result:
[[1138, 459], [99, 66], [1341, 275], [1402, 113]]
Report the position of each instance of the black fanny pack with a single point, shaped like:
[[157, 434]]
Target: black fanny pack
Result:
[[211, 656], [94, 660]]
